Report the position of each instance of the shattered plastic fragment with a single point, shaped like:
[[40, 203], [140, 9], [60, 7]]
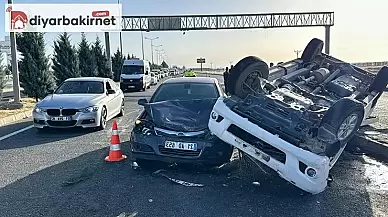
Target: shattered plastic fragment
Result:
[[134, 165], [124, 214], [184, 183]]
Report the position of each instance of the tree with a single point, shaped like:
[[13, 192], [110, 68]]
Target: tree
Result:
[[35, 76], [65, 62], [117, 63], [102, 63], [86, 60], [164, 64], [133, 56], [3, 76]]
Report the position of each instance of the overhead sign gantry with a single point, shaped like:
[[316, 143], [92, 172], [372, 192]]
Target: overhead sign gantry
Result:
[[230, 21]]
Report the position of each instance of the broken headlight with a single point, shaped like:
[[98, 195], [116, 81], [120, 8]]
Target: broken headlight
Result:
[[143, 126]]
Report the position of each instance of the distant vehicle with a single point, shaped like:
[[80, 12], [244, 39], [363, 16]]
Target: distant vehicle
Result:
[[80, 102], [173, 127], [165, 73], [189, 74], [157, 73], [154, 78], [135, 75], [172, 72]]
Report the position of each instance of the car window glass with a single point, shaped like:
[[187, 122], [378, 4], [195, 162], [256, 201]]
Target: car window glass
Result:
[[81, 87], [185, 91]]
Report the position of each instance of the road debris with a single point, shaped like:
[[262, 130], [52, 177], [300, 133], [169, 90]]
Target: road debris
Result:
[[128, 214], [181, 182], [135, 165], [85, 175]]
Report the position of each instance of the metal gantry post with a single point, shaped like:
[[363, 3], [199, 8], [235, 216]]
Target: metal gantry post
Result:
[[327, 39], [14, 65]]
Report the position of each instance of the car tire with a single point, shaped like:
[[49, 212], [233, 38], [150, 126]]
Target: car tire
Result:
[[41, 130], [348, 121], [121, 109], [103, 119], [244, 69], [313, 48], [379, 83]]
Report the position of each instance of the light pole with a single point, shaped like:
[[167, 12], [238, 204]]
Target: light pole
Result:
[[156, 46], [158, 55], [142, 44], [14, 64], [121, 39], [152, 50]]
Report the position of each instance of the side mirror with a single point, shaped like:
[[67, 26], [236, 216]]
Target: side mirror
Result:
[[111, 91], [142, 102], [51, 91]]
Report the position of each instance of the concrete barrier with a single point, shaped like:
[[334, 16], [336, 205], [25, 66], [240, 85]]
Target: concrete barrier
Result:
[[16, 117]]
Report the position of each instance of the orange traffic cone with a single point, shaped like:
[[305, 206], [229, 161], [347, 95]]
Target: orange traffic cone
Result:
[[115, 153]]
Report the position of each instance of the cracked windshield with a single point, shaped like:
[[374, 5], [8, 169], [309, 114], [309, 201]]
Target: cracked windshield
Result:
[[123, 108]]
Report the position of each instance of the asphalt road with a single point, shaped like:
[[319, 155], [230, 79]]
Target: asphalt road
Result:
[[62, 173]]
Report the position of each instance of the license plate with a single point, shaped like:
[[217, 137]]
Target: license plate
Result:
[[131, 86], [61, 118], [181, 145]]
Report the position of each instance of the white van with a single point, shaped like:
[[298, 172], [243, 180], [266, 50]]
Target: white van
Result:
[[135, 75]]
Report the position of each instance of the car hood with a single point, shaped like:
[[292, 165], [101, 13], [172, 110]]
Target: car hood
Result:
[[181, 115], [71, 100]]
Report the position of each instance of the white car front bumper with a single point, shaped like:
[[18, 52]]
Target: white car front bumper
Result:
[[84, 120], [222, 118]]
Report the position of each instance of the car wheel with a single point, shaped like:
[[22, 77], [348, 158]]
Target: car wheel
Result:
[[313, 48], [103, 119], [246, 76], [121, 109], [149, 86], [345, 118]]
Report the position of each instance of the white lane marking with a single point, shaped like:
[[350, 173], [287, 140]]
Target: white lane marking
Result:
[[16, 132], [29, 127]]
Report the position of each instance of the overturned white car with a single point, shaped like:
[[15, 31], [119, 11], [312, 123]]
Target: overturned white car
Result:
[[298, 116]]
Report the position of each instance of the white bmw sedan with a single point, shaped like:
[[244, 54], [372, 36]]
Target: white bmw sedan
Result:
[[80, 102]]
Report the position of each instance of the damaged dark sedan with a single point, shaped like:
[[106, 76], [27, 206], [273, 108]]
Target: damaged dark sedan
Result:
[[173, 127]]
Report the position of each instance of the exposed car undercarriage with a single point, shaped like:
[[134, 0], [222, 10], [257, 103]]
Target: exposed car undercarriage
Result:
[[300, 105]]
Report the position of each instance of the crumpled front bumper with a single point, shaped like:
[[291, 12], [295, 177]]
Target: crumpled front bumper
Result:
[[222, 118]]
